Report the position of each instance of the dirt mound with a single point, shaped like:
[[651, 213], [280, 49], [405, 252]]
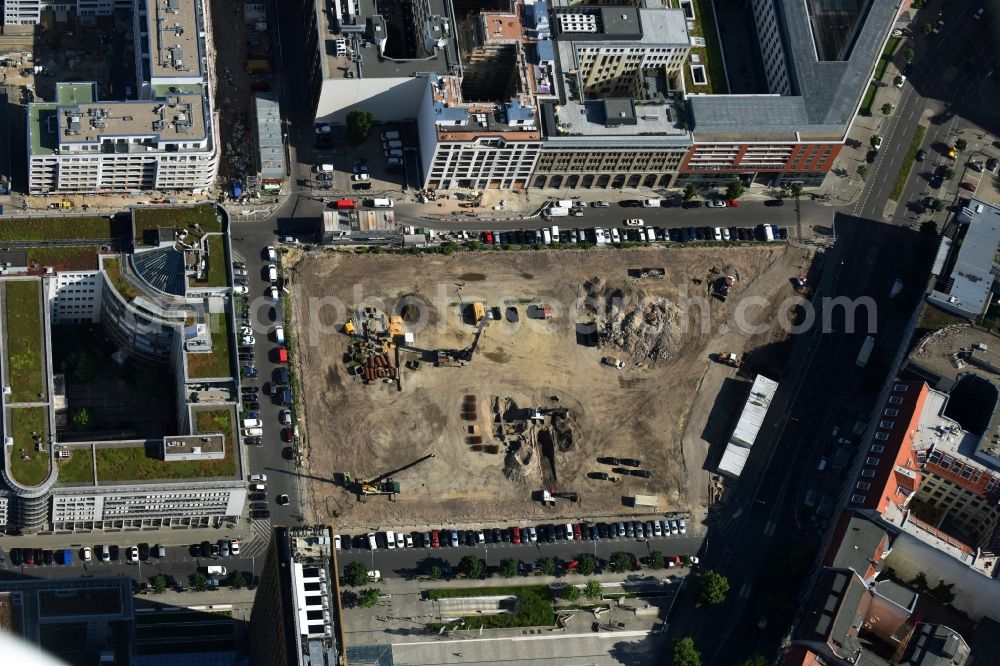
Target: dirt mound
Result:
[[632, 323]]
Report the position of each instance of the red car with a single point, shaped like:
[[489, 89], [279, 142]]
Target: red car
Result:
[[966, 185], [577, 532], [435, 539], [515, 535], [488, 237], [287, 435]]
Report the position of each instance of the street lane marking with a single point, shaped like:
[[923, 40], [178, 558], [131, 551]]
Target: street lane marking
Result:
[[770, 528], [745, 590]]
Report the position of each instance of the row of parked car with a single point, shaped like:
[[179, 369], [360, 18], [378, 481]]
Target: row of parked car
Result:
[[102, 553], [629, 529], [644, 234]]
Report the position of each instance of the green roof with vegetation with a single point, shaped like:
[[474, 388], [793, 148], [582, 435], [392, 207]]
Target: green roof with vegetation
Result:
[[216, 275], [24, 336], [534, 608], [28, 466], [202, 365], [61, 228], [68, 93], [710, 55], [124, 287], [78, 468], [143, 463], [65, 258], [178, 89], [180, 217], [41, 121]]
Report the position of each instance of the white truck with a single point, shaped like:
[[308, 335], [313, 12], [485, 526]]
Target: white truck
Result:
[[651, 203], [557, 211]]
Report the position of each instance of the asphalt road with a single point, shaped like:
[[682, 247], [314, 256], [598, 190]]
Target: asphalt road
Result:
[[178, 563], [822, 386], [403, 563], [275, 458]]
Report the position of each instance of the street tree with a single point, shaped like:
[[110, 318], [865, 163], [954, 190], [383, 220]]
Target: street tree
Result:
[[961, 144], [862, 170], [620, 561], [690, 191], [709, 587], [657, 560], [569, 592], [735, 189], [586, 564], [359, 126], [236, 580], [472, 567], [875, 141], [927, 29], [796, 190], [198, 582], [755, 660], [937, 205], [886, 109], [909, 54], [508, 567], [547, 565], [435, 573], [949, 173], [684, 653], [159, 584], [355, 574], [369, 597], [593, 590]]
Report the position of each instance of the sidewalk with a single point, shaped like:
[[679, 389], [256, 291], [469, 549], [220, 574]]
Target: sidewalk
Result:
[[170, 537]]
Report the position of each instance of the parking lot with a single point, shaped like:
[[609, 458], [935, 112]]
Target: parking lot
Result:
[[377, 166]]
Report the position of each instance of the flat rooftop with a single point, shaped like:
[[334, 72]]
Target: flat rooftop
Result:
[[174, 26], [194, 444], [972, 277], [178, 118], [960, 350], [826, 93], [351, 31], [589, 122], [638, 26]]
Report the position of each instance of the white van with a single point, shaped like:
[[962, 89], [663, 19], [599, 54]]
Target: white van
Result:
[[546, 236], [555, 234], [390, 540], [650, 234], [279, 334], [569, 531], [253, 432], [372, 543], [381, 203], [392, 144], [390, 135], [272, 273], [215, 570], [252, 423], [768, 232], [257, 487], [258, 478], [323, 168]]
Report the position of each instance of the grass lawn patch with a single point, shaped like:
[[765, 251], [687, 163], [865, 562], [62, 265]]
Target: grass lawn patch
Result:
[[911, 155], [124, 287], [534, 606], [24, 340], [78, 468], [61, 228], [35, 469], [65, 258], [181, 217], [142, 463], [215, 363], [216, 275], [868, 100], [710, 55]]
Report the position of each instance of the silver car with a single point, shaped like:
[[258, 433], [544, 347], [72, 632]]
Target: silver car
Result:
[[674, 529]]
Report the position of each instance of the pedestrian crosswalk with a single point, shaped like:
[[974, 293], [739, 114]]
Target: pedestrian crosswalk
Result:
[[260, 537]]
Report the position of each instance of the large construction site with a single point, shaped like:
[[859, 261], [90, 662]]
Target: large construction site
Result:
[[449, 389]]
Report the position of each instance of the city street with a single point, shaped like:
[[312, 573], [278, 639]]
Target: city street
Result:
[[405, 563]]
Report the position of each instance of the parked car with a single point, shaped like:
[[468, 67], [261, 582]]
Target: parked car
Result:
[[966, 185], [774, 202]]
